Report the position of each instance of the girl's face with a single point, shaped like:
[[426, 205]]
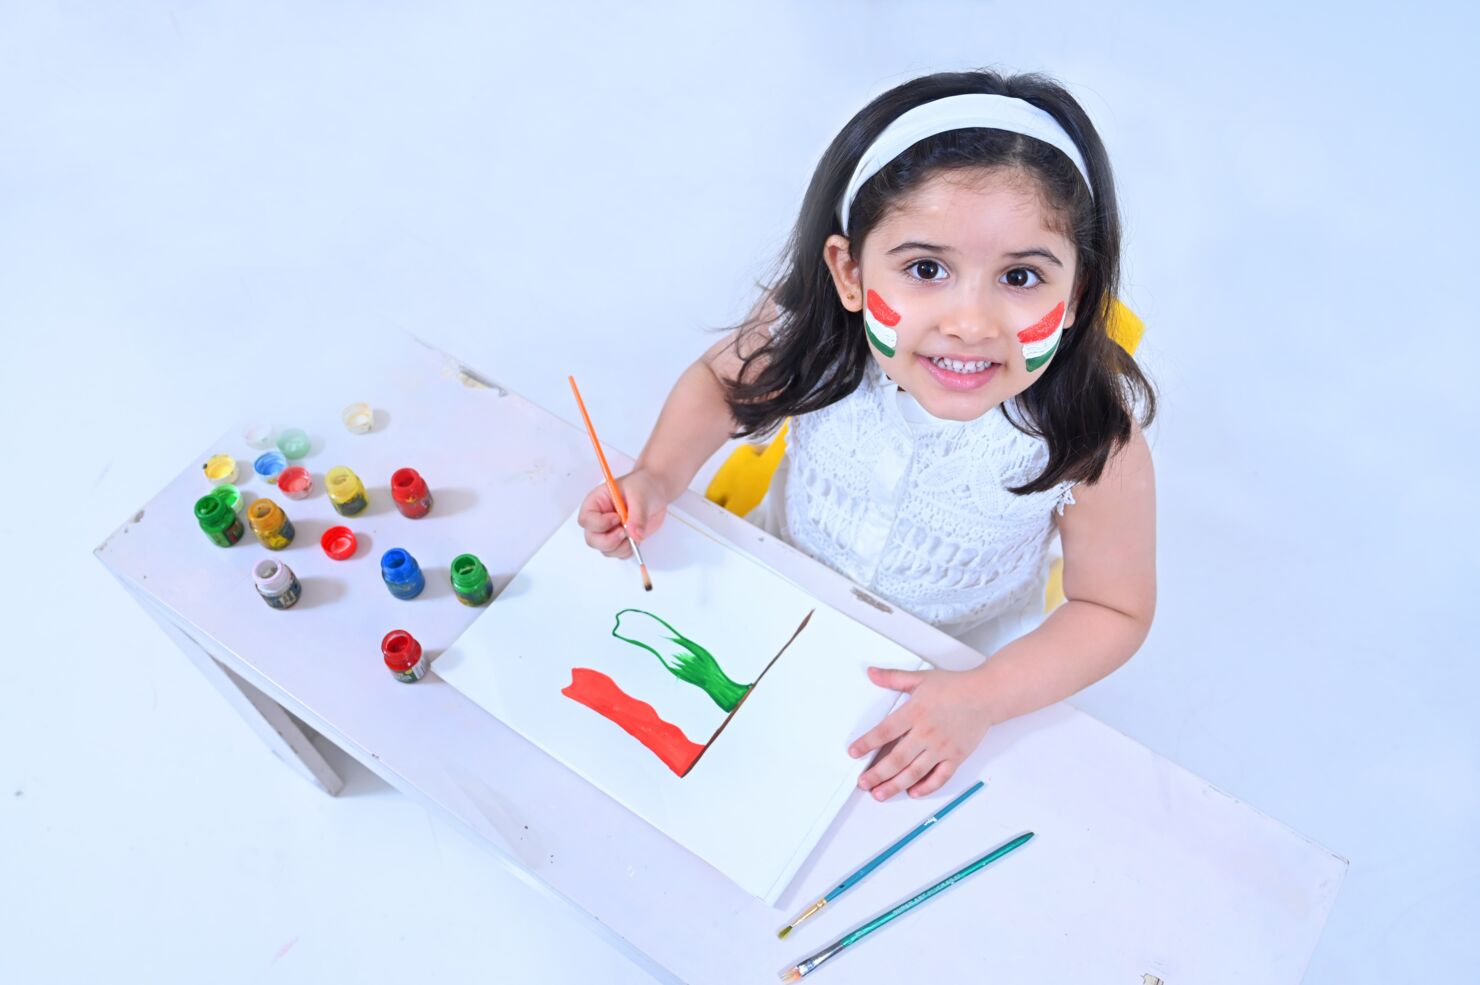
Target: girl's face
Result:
[[964, 287]]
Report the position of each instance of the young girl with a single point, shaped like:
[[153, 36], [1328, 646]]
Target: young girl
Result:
[[938, 342]]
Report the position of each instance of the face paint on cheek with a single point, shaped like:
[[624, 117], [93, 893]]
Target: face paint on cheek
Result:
[[879, 321], [1041, 339]]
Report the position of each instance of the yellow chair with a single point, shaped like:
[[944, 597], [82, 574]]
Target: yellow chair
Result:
[[741, 482]]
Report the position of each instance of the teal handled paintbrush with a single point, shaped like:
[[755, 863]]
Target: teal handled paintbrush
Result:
[[808, 965], [879, 859]]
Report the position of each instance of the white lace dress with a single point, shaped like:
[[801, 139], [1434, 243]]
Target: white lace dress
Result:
[[915, 510]]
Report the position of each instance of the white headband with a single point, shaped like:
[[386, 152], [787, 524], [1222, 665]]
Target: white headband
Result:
[[958, 113]]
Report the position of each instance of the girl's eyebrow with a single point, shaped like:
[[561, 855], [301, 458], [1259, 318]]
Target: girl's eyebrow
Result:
[[1036, 251]]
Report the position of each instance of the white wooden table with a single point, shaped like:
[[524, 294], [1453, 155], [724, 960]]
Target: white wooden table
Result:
[[1138, 869]]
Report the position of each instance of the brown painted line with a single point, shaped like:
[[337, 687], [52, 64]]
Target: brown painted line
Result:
[[754, 684]]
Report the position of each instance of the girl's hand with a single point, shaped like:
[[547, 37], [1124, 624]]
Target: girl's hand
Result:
[[647, 504], [943, 721]]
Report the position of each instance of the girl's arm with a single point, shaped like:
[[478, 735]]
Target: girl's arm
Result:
[[1109, 539], [694, 423]]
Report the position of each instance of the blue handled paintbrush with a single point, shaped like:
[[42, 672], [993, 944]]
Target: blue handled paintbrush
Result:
[[879, 859], [808, 965]]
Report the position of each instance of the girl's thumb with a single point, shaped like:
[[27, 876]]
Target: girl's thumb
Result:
[[895, 680]]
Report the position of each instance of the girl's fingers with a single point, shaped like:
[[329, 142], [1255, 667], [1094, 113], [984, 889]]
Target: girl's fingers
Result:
[[906, 777], [935, 779], [891, 728], [889, 766]]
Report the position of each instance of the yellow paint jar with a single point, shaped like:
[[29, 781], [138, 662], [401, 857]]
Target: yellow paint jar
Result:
[[270, 524], [346, 491]]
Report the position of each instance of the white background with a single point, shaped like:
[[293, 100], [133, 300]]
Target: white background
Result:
[[200, 206]]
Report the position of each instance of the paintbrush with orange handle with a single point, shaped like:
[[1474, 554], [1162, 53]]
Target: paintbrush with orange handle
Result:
[[611, 484]]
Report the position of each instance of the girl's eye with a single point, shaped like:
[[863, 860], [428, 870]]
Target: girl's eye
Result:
[[926, 269], [1019, 277]]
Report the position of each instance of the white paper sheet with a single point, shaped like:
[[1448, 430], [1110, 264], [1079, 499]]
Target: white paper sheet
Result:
[[765, 789]]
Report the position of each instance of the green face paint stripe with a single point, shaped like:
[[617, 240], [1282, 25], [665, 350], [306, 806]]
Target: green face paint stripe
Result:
[[1038, 361], [879, 344], [685, 659]]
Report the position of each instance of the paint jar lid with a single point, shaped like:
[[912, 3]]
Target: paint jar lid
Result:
[[269, 464], [401, 651], [468, 574], [293, 443], [272, 577], [407, 486], [212, 514], [220, 468], [230, 495], [258, 435], [295, 482], [358, 418], [339, 543]]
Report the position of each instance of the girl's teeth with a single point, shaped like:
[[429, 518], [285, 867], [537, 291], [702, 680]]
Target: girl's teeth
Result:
[[956, 366]]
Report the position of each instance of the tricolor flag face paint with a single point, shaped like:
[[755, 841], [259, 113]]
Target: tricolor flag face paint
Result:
[[1041, 339], [880, 320]]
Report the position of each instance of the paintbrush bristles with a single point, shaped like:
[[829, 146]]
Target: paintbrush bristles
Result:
[[802, 916], [794, 975], [647, 579]]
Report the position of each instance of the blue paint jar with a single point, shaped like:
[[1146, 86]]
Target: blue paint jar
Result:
[[401, 573]]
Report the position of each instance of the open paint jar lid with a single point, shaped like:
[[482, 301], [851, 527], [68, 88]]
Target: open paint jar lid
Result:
[[339, 543], [295, 482]]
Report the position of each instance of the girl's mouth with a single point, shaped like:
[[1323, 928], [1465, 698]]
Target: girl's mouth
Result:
[[959, 374]]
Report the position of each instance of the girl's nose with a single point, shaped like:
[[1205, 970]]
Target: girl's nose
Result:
[[975, 319]]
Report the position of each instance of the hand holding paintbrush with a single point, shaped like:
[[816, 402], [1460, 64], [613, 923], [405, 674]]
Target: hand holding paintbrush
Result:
[[592, 519]]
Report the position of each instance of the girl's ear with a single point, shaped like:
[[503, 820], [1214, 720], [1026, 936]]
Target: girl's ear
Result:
[[847, 277]]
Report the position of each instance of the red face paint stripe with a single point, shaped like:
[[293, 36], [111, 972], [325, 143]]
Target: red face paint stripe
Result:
[[637, 718], [1042, 329], [887, 316]]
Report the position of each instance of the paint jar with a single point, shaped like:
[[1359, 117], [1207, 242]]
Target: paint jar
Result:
[[295, 482], [401, 573], [403, 656], [339, 543], [231, 496], [219, 469], [358, 418], [293, 443], [259, 436], [411, 494], [470, 581], [276, 583], [270, 524], [269, 466], [218, 521], [346, 491]]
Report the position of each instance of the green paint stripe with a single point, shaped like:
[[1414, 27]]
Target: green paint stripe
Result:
[[685, 659]]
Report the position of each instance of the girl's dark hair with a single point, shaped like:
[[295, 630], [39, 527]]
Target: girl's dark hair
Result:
[[1083, 404]]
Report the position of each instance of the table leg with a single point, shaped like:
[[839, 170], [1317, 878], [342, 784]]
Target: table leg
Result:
[[268, 719]]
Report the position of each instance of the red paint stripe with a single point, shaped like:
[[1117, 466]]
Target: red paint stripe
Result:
[[637, 718], [886, 315], [1043, 328]]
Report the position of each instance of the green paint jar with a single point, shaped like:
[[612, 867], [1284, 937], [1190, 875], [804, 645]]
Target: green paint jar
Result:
[[470, 581], [218, 521]]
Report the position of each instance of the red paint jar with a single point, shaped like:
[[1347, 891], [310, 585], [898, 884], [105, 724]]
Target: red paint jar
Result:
[[403, 656], [411, 494]]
